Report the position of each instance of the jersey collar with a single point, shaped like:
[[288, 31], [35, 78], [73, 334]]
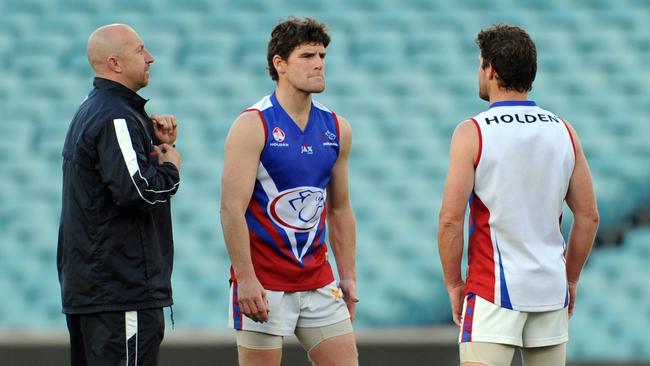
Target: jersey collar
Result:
[[510, 103]]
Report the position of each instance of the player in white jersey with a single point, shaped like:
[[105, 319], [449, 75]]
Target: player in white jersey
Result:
[[516, 164]]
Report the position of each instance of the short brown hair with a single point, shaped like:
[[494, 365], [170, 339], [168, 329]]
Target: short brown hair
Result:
[[512, 54], [292, 33]]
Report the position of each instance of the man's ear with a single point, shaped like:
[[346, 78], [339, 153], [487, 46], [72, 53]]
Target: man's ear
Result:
[[113, 64], [279, 64], [491, 72]]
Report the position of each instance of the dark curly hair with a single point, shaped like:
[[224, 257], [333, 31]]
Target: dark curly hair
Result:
[[512, 54], [292, 33]]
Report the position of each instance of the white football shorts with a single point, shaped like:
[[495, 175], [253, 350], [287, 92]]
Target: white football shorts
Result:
[[484, 321], [288, 310]]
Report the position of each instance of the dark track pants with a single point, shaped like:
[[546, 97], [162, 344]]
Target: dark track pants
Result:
[[130, 338]]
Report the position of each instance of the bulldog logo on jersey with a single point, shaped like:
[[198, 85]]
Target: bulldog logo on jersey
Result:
[[278, 134], [298, 208]]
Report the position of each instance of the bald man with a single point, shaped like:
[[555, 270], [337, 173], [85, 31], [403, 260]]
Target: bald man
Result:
[[115, 249]]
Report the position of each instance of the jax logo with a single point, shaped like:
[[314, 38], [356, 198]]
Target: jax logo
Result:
[[278, 134], [298, 208], [306, 149]]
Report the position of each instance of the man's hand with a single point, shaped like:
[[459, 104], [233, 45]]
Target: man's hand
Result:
[[252, 299], [573, 292], [456, 297], [349, 288], [168, 154], [165, 128]]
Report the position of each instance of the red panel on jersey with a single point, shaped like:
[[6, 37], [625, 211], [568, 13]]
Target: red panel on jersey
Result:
[[573, 143], [480, 143], [481, 276], [272, 268]]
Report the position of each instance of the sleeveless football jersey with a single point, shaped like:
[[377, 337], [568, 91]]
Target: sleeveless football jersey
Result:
[[287, 212], [516, 249]]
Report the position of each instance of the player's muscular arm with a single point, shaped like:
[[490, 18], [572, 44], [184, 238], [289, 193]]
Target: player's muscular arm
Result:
[[244, 144], [458, 187], [342, 226], [582, 202]]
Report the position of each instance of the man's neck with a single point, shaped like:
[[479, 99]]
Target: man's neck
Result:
[[296, 103], [501, 95], [116, 78]]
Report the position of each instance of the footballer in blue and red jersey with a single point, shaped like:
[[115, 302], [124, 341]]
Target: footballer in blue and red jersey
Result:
[[287, 212]]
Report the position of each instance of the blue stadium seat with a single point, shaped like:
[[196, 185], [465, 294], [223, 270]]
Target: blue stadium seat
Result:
[[31, 7], [378, 52], [637, 242], [15, 24], [34, 66], [66, 24], [83, 7]]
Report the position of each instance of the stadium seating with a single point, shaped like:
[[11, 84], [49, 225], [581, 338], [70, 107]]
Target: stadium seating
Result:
[[403, 73], [613, 306]]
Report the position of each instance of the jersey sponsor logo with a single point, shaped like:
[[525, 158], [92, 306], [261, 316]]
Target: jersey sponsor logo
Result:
[[278, 134], [331, 136], [328, 138], [298, 208], [306, 149], [525, 118]]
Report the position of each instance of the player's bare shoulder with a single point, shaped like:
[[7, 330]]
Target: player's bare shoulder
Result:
[[248, 130], [466, 132], [345, 133], [250, 118], [465, 127], [249, 123], [466, 140]]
